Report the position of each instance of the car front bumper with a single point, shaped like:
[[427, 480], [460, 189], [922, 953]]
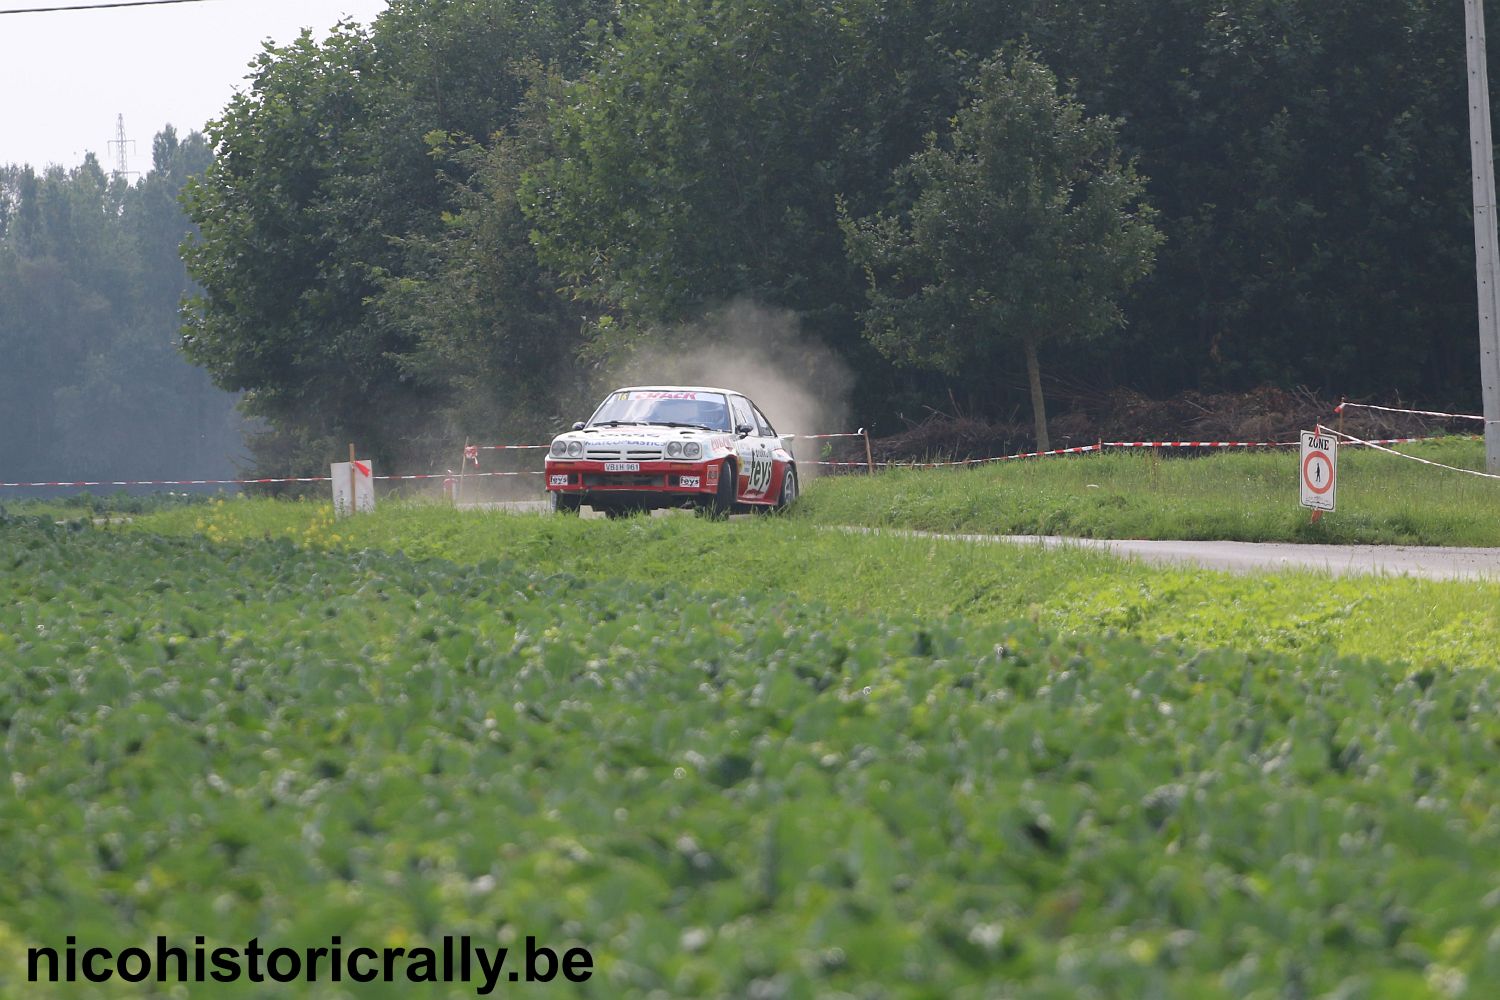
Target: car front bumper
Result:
[[586, 477]]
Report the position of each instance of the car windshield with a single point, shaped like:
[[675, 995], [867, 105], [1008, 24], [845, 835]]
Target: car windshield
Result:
[[664, 406]]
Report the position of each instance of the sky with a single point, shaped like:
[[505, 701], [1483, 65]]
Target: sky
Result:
[[67, 76]]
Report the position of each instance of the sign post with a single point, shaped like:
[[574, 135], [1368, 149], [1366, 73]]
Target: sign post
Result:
[[353, 485], [1318, 467], [1486, 253]]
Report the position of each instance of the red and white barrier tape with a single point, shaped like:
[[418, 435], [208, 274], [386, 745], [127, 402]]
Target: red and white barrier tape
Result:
[[544, 447], [466, 475], [1377, 444], [1393, 409], [962, 462], [1105, 445], [176, 482], [1246, 444], [250, 482], [1082, 450], [1199, 444], [1391, 451]]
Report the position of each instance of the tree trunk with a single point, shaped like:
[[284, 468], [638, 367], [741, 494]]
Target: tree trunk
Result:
[[1038, 404]]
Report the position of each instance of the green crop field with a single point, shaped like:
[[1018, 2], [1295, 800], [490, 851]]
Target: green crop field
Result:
[[1414, 621], [1251, 497], [245, 720]]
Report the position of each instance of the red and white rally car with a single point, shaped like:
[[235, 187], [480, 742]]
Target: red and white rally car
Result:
[[672, 446]]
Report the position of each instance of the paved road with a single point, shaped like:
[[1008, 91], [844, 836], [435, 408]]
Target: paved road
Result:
[[1429, 562]]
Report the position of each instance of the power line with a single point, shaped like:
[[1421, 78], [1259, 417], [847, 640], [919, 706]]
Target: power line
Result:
[[100, 6]]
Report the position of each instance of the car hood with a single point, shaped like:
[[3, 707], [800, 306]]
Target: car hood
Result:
[[640, 436]]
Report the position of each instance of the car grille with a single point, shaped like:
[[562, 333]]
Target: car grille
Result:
[[616, 480], [602, 453]]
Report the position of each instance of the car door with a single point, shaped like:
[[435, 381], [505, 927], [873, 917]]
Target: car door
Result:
[[777, 448], [753, 451]]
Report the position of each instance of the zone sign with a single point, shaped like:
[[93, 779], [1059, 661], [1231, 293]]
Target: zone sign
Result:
[[1319, 465]]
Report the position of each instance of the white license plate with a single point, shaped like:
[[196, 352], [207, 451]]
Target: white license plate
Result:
[[558, 480], [622, 466], [690, 482]]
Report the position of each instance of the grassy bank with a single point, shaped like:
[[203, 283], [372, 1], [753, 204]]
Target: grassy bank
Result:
[[1420, 622], [1234, 495], [748, 795]]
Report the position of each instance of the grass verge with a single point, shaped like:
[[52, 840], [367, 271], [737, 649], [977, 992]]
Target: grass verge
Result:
[[1415, 621], [1242, 496]]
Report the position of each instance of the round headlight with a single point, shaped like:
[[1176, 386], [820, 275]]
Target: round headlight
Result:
[[559, 448], [692, 449], [674, 449], [575, 449]]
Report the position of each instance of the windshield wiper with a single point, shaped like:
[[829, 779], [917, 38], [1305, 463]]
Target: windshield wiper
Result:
[[674, 423], [617, 423]]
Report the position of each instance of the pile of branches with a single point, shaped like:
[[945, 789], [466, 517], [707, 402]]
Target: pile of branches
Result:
[[1263, 414]]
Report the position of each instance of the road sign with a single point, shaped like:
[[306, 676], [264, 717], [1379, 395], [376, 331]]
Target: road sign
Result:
[[361, 473], [1319, 469]]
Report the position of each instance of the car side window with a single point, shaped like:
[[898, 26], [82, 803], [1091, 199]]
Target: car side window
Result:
[[741, 410], [762, 424]]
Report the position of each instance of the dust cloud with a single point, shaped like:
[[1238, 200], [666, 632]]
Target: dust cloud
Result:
[[799, 384]]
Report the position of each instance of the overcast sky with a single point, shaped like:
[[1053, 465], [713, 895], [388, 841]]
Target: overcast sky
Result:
[[66, 76]]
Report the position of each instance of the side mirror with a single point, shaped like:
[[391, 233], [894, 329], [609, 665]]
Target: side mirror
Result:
[[743, 430], [578, 425]]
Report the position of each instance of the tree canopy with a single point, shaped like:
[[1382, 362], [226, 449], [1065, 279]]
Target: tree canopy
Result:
[[459, 214], [1026, 229], [327, 167]]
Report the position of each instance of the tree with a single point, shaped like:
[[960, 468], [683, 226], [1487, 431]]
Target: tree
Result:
[[1026, 229], [93, 383], [324, 180], [489, 324], [698, 162], [1310, 161]]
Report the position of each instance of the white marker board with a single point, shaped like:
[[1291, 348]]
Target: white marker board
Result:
[[364, 487], [1318, 469]]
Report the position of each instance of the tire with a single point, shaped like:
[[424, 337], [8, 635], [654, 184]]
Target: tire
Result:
[[789, 489], [564, 503], [722, 504]]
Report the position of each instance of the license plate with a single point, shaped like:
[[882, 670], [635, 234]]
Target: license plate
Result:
[[622, 466], [690, 482], [558, 480]]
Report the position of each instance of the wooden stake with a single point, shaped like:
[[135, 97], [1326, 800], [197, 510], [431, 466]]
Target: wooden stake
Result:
[[463, 467], [869, 455], [352, 480]]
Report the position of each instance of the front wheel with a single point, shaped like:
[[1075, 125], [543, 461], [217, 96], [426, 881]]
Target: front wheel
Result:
[[722, 504], [565, 503], [788, 488]]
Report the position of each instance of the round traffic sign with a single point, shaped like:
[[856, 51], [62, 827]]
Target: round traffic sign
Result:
[[1317, 472]]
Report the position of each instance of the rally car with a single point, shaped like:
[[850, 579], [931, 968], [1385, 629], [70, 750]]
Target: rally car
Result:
[[672, 446]]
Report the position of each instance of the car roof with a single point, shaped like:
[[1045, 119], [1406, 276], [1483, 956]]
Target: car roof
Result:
[[678, 388]]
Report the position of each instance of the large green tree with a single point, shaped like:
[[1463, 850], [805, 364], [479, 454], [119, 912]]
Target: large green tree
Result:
[[1027, 228], [699, 161], [1310, 163], [1307, 159], [489, 324], [325, 176]]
